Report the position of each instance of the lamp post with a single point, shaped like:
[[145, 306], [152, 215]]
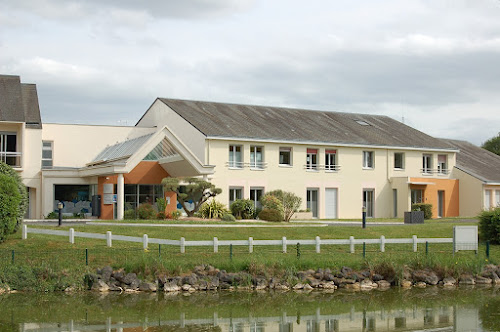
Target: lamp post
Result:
[[364, 216], [60, 207]]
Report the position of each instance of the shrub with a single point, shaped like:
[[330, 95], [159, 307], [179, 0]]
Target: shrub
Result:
[[161, 203], [129, 214], [212, 210], [10, 198], [489, 225], [427, 208], [228, 217], [21, 189], [270, 202], [161, 215], [270, 215], [146, 211], [175, 214], [289, 201], [243, 209]]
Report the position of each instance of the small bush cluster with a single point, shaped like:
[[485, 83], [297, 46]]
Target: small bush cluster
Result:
[[272, 208], [243, 209], [130, 214], [146, 211], [427, 208], [212, 210], [489, 226], [228, 217], [10, 198]]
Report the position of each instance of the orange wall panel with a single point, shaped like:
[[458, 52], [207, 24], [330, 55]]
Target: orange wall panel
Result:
[[451, 195], [146, 172]]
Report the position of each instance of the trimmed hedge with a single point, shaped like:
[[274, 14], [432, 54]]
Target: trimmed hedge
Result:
[[489, 226], [271, 215], [10, 199], [427, 208], [21, 189]]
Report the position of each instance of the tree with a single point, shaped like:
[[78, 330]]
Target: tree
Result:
[[10, 199], [493, 145], [195, 190], [21, 189], [289, 200]]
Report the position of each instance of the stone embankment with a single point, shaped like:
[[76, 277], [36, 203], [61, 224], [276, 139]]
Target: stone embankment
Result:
[[208, 278]]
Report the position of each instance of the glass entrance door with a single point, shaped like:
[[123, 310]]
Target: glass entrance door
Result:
[[368, 202], [312, 201]]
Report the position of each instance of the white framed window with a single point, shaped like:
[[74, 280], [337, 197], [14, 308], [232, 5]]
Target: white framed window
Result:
[[257, 157], [285, 156], [399, 160], [312, 159], [442, 164], [234, 194], [427, 163], [368, 159], [235, 156], [47, 154], [255, 195], [8, 149], [417, 196], [331, 160], [497, 198]]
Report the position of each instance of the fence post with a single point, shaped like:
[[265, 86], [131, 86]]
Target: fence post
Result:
[[216, 245], [250, 244], [159, 250], [86, 256], [108, 238], [364, 249], [351, 245], [426, 248], [183, 246], [72, 235], [488, 250], [13, 256], [298, 250], [382, 243], [25, 232], [284, 244], [145, 241], [318, 244], [415, 243], [231, 251]]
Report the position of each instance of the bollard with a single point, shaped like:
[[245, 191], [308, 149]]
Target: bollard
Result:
[[364, 216], [488, 250], [298, 250], [231, 251], [86, 256], [60, 207], [364, 249]]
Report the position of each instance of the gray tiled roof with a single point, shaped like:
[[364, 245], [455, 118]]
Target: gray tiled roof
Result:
[[298, 125], [19, 102], [122, 149], [476, 161]]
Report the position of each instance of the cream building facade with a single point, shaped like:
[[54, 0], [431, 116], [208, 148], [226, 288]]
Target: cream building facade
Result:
[[337, 163]]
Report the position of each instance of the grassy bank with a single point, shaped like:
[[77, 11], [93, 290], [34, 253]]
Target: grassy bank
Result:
[[44, 262]]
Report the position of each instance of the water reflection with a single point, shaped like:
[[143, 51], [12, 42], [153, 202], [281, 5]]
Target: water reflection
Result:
[[394, 310]]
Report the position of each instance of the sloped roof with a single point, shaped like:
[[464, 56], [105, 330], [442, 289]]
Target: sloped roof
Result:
[[476, 161], [121, 150], [299, 125], [19, 102]]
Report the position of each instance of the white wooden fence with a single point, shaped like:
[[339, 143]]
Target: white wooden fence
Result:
[[250, 243]]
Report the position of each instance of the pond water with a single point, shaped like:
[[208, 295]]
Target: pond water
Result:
[[431, 309]]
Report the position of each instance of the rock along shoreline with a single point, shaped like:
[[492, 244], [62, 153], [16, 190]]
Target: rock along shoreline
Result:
[[209, 278]]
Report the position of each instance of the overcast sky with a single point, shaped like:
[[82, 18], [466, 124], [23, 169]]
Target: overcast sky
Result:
[[433, 63]]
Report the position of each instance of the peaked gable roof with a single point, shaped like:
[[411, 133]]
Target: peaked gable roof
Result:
[[478, 162], [19, 102], [299, 125]]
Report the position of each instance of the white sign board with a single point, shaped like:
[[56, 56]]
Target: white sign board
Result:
[[108, 188], [108, 199], [465, 238]]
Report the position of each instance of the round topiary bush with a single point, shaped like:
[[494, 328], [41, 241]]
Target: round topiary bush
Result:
[[10, 199], [271, 215], [20, 188]]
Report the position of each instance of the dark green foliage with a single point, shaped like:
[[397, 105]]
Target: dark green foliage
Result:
[[427, 208], [271, 215], [42, 278], [161, 203], [196, 190], [289, 201], [228, 217], [161, 215], [146, 211], [489, 226], [243, 209], [10, 198], [129, 214], [21, 189], [493, 145]]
